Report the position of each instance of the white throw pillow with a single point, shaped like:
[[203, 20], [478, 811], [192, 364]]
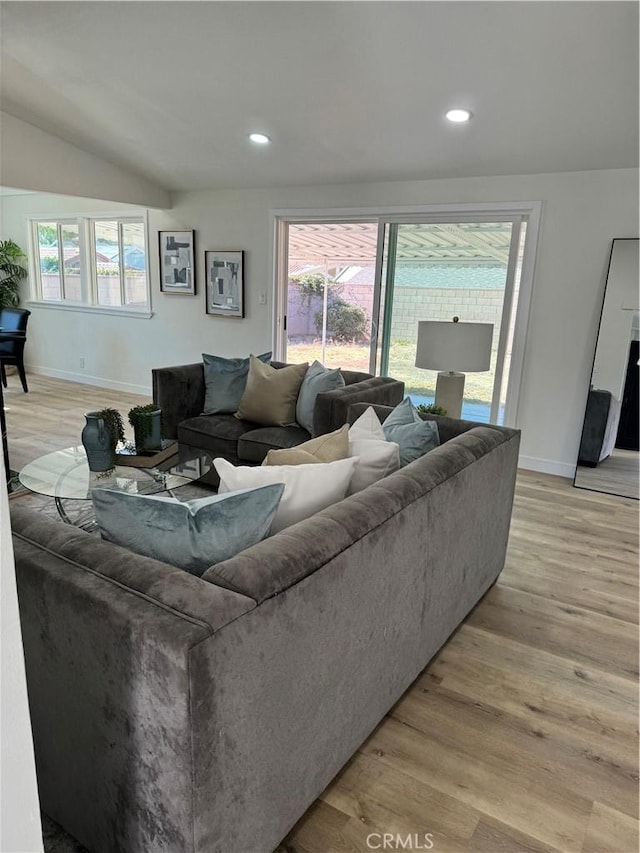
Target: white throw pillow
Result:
[[307, 488], [367, 426], [377, 457]]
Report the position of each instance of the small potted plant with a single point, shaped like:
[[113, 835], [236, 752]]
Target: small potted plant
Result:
[[100, 436], [431, 409], [147, 427]]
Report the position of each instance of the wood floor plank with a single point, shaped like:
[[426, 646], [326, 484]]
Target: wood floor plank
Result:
[[521, 734], [318, 830], [492, 836], [582, 635], [504, 742], [486, 785], [609, 831], [584, 704], [384, 797]]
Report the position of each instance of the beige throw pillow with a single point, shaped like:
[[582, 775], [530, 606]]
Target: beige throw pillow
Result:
[[324, 448], [271, 394]]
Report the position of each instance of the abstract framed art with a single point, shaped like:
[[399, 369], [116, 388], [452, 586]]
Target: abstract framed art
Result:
[[177, 262], [224, 288]]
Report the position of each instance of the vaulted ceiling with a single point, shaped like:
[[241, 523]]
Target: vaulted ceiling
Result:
[[348, 91]]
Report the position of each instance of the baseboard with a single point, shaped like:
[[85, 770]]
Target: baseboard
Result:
[[547, 466], [85, 379]]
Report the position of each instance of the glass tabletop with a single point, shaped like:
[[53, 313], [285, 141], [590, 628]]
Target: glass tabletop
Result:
[[65, 474]]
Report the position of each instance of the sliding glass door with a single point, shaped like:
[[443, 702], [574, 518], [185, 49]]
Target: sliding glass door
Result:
[[352, 292], [330, 286], [435, 271]]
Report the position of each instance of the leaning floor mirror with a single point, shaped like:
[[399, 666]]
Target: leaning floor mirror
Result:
[[608, 459]]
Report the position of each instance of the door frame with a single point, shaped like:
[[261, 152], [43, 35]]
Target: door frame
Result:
[[530, 211]]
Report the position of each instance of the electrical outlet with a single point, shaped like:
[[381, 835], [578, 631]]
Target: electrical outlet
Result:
[[81, 361]]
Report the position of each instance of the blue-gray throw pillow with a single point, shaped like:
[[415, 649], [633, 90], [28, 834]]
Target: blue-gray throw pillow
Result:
[[414, 436], [317, 379], [192, 535], [225, 380]]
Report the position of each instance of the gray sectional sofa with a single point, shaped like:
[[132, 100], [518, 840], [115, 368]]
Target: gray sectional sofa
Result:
[[177, 714], [180, 392]]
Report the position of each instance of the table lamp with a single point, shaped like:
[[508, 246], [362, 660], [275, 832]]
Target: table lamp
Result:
[[453, 347]]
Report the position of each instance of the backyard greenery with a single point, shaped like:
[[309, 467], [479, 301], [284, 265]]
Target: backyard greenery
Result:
[[402, 353], [345, 323]]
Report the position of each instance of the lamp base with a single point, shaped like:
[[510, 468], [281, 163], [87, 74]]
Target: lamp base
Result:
[[449, 392]]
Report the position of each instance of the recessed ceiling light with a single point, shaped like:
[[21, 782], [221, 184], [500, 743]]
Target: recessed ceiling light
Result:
[[259, 138], [458, 115]]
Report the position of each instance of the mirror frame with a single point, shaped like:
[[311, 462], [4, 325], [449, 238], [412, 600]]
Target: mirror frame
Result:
[[594, 406]]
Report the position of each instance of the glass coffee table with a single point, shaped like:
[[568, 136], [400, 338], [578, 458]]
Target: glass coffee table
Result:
[[65, 475]]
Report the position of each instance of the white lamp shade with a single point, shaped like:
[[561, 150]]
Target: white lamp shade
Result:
[[464, 347]]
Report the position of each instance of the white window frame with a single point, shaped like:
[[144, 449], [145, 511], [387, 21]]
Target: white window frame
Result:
[[531, 211], [88, 263]]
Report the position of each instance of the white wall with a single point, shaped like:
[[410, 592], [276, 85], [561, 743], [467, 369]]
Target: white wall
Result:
[[20, 830], [582, 213], [32, 159]]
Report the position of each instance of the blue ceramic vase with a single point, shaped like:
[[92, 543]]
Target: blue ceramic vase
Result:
[[96, 439]]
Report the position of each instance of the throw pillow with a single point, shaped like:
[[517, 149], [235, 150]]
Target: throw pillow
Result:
[[414, 436], [270, 395], [192, 535], [377, 457], [318, 378], [307, 488], [324, 448], [225, 380]]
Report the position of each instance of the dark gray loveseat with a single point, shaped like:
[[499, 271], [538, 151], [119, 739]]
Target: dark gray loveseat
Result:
[[180, 393], [177, 714]]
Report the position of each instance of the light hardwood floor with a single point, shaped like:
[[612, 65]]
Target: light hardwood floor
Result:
[[619, 474], [521, 734]]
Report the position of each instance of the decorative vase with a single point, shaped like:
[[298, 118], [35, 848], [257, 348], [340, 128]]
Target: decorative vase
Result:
[[148, 431], [97, 442]]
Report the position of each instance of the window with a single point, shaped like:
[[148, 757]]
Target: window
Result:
[[91, 262]]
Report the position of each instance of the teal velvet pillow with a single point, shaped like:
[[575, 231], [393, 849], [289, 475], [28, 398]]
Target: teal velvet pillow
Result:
[[414, 436], [192, 535], [318, 378], [225, 380]]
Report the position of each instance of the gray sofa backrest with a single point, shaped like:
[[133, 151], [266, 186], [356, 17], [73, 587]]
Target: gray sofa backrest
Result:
[[180, 392], [276, 563]]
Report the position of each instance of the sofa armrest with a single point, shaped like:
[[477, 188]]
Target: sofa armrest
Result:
[[179, 391], [332, 407]]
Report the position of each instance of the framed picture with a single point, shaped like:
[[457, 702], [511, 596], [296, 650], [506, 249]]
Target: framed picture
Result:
[[177, 262], [224, 277]]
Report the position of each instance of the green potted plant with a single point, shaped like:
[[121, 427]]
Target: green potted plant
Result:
[[147, 427], [12, 271], [100, 436], [431, 409]]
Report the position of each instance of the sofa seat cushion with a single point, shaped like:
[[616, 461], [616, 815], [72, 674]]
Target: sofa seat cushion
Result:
[[217, 434], [254, 444]]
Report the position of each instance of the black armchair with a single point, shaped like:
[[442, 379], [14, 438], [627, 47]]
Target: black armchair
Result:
[[13, 337]]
